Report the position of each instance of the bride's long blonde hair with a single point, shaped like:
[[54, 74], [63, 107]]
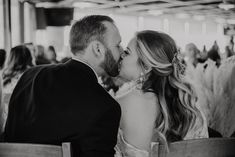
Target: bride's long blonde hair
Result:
[[176, 98]]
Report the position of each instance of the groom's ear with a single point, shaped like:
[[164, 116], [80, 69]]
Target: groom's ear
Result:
[[98, 49]]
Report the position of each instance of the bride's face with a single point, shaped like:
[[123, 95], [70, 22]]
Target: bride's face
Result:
[[130, 68]]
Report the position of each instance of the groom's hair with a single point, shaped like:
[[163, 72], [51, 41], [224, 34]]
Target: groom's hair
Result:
[[86, 30]]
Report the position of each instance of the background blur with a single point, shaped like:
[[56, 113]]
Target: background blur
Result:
[[47, 22]]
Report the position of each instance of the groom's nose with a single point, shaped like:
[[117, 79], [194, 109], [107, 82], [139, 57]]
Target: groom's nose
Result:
[[121, 50]]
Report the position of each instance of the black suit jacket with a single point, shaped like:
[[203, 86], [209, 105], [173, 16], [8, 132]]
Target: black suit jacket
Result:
[[64, 103]]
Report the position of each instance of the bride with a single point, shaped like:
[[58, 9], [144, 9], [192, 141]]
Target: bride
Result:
[[159, 104]]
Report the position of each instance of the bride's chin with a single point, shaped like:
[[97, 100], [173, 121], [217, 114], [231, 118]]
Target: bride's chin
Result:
[[122, 76]]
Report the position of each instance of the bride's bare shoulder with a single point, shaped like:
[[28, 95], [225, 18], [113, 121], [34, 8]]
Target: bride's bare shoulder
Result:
[[139, 100]]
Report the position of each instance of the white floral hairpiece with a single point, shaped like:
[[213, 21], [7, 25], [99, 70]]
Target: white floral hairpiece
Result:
[[178, 65]]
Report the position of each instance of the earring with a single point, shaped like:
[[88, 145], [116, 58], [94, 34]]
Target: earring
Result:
[[141, 79]]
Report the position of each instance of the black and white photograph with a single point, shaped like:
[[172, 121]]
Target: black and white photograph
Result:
[[117, 78]]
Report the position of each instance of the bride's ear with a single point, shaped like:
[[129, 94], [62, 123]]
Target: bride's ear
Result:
[[148, 70], [98, 49]]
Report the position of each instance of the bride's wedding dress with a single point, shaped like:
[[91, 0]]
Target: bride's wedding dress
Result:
[[125, 149]]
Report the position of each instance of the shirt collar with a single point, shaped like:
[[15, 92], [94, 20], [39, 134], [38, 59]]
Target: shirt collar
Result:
[[79, 60]]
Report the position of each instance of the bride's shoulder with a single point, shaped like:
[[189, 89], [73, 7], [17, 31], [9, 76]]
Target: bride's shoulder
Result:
[[138, 100]]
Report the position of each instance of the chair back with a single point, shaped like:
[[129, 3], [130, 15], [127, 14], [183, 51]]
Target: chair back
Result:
[[34, 150], [212, 147]]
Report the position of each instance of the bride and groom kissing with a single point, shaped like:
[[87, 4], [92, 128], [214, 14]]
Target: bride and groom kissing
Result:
[[65, 103]]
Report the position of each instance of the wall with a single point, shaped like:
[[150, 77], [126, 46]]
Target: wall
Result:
[[184, 31], [1, 26]]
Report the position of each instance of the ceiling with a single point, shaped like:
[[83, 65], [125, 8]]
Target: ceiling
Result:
[[208, 8]]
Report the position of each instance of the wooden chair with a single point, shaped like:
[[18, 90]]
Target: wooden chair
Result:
[[212, 147], [34, 150]]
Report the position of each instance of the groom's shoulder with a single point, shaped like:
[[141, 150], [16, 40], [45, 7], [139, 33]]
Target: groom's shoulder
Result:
[[39, 70]]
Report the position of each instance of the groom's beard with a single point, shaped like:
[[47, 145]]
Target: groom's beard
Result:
[[110, 65]]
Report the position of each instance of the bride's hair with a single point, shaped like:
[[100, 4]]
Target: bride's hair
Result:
[[176, 98]]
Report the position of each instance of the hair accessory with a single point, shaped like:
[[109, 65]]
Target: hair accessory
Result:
[[140, 81], [178, 65]]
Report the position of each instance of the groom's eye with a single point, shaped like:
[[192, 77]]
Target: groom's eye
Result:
[[120, 47]]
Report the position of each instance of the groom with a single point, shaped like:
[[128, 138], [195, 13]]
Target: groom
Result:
[[65, 103]]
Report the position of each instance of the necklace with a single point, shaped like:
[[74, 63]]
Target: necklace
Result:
[[128, 87]]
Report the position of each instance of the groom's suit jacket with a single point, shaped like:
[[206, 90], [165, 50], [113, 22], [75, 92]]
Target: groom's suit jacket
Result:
[[64, 103]]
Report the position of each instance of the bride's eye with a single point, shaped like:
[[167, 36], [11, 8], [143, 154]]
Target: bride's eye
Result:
[[124, 54], [127, 52]]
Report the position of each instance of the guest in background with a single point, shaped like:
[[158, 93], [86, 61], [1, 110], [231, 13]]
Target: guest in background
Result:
[[19, 60], [231, 44], [213, 54], [2, 58], [1, 111], [215, 46], [192, 53], [233, 135], [40, 55], [32, 49], [228, 52], [203, 55], [2, 61], [51, 55], [204, 49]]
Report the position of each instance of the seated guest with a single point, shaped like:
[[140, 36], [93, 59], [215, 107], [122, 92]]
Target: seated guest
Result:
[[1, 110], [192, 54], [233, 135], [2, 58], [214, 54], [51, 55], [40, 56], [228, 52], [32, 49], [19, 60]]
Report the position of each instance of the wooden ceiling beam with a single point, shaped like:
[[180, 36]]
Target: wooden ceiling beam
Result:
[[95, 1], [163, 6], [123, 3]]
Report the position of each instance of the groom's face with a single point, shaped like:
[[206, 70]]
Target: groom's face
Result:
[[114, 50]]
